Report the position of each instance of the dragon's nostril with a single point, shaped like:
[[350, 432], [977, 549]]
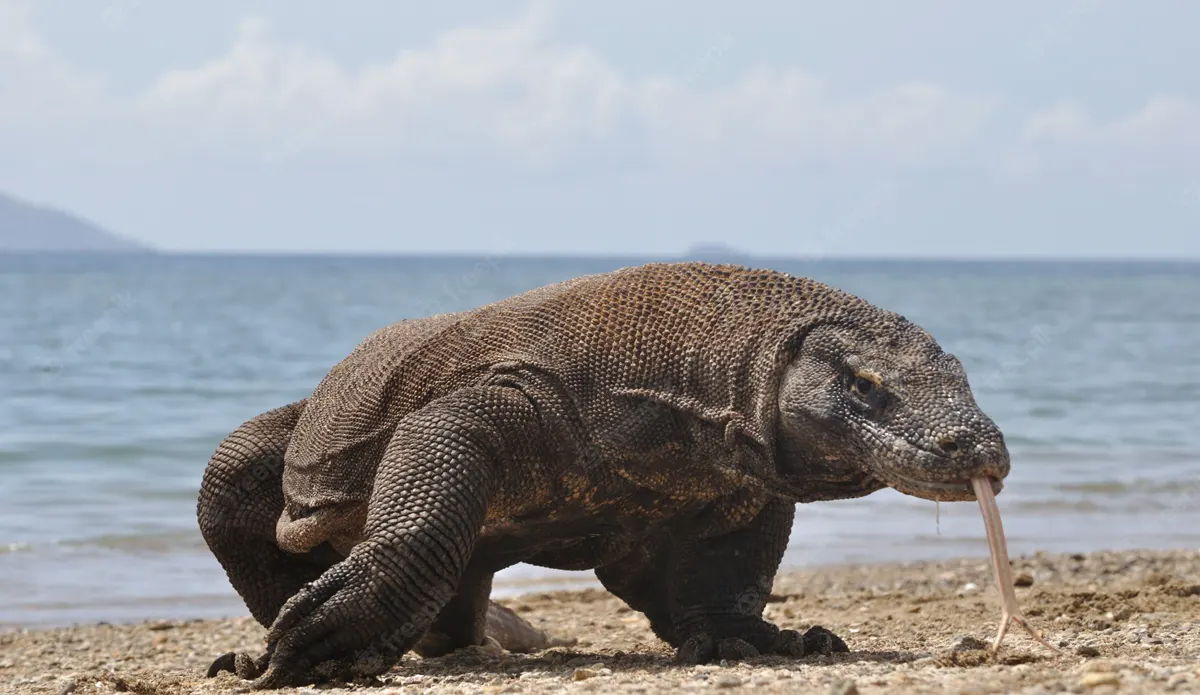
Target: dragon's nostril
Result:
[[948, 445]]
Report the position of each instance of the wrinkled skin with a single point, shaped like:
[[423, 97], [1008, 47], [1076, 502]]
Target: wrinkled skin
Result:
[[657, 424]]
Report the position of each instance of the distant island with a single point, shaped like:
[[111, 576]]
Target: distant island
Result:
[[716, 253], [29, 228]]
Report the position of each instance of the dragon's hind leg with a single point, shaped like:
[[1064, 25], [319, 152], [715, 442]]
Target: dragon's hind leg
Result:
[[640, 581], [241, 498], [705, 594], [722, 584]]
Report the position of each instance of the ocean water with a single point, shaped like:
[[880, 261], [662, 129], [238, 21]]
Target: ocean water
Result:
[[119, 376]]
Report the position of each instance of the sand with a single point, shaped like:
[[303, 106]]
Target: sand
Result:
[[1128, 622]]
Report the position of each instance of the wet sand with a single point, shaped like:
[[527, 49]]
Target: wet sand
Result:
[[1127, 622]]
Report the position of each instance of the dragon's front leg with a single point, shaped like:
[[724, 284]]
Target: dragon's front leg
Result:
[[428, 504]]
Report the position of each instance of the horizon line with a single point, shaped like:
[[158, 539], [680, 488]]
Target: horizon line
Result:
[[732, 256]]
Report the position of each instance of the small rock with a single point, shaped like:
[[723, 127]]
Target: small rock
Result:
[[968, 643], [843, 687], [1095, 680], [68, 687], [583, 673], [1023, 579], [969, 587], [727, 681], [1087, 651]]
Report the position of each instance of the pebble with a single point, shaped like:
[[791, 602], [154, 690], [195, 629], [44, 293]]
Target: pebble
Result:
[[904, 664], [1095, 680], [1023, 579], [1177, 680], [584, 672], [727, 681]]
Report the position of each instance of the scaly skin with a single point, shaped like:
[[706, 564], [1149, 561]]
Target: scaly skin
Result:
[[657, 424]]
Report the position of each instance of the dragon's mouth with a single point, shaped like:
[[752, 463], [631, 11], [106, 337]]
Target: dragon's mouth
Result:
[[939, 490], [919, 472], [807, 489]]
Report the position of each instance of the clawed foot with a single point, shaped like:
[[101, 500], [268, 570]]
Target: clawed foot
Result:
[[818, 640], [343, 626], [240, 664], [702, 648]]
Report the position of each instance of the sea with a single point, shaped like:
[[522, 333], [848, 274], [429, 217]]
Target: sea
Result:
[[120, 374]]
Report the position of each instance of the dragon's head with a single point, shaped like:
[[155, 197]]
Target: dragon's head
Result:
[[877, 402]]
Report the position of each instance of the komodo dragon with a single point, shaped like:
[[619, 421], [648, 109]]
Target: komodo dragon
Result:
[[657, 424]]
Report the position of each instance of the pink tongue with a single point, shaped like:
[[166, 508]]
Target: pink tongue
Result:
[[1000, 565]]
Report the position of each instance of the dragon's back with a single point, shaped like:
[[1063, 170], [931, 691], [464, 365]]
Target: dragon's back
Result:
[[691, 335]]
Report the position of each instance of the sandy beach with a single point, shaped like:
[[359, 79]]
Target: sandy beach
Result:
[[1127, 622]]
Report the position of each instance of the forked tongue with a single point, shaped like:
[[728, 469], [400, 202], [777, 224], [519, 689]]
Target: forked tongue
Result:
[[1011, 612]]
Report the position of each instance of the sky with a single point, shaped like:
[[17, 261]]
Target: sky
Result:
[[778, 127]]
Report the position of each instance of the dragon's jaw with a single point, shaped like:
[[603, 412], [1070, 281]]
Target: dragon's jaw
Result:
[[914, 470]]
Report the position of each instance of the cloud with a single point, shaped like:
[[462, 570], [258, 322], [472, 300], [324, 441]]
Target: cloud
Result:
[[497, 87], [508, 91], [36, 88], [1164, 134], [782, 115]]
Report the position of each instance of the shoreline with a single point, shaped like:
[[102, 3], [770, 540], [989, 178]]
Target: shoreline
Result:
[[1127, 621]]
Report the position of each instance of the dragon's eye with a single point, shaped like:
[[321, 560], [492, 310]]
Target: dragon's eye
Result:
[[862, 386]]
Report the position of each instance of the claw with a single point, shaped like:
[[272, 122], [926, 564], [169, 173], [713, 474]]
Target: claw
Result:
[[788, 643], [818, 640], [702, 648], [241, 664], [225, 662], [274, 678], [735, 649], [697, 649]]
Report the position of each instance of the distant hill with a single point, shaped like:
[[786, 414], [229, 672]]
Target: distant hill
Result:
[[25, 227]]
